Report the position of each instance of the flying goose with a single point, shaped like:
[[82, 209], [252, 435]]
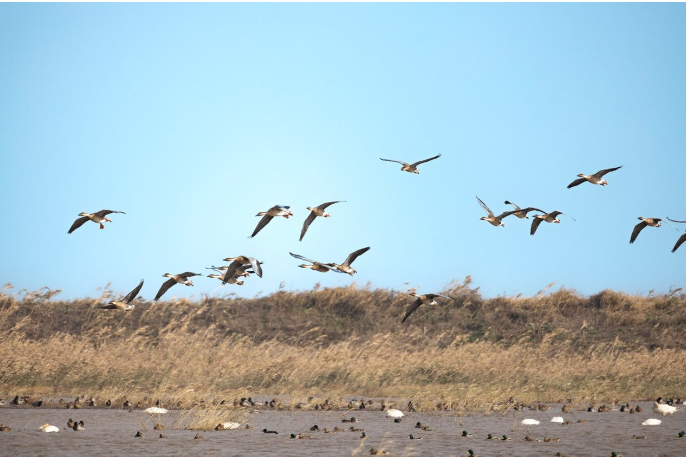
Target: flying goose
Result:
[[268, 215], [345, 266], [181, 278], [98, 218], [596, 178], [125, 304], [314, 212], [681, 239], [427, 299], [646, 221], [492, 219], [549, 217], [233, 280], [316, 266], [237, 262], [522, 212], [411, 167]]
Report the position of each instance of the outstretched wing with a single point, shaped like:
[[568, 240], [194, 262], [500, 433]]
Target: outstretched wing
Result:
[[256, 266], [165, 287], [231, 271], [602, 173], [77, 223], [105, 212], [260, 225], [640, 226], [298, 256], [534, 224], [576, 182], [517, 208], [107, 306], [396, 161], [307, 223], [413, 307], [188, 274], [327, 204], [425, 160], [129, 298], [679, 242], [432, 296], [679, 222], [353, 255], [486, 208]]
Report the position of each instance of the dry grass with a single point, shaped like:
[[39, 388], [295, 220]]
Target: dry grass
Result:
[[472, 354]]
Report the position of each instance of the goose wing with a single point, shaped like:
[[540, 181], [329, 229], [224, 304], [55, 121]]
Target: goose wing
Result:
[[260, 225], [679, 242], [396, 161], [534, 224], [256, 266], [129, 298], [353, 255], [77, 223], [486, 208], [105, 212], [576, 182], [109, 306], [413, 307], [602, 173], [426, 160], [557, 213], [432, 296], [231, 271], [298, 256], [188, 274], [327, 204], [165, 287], [679, 222], [640, 226], [517, 208], [307, 223]]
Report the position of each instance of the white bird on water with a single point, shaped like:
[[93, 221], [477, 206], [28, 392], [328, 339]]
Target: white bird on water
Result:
[[47, 428], [652, 422], [155, 410], [660, 408], [557, 419], [530, 422], [394, 413]]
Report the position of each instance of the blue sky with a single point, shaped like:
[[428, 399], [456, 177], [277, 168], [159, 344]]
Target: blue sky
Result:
[[192, 118]]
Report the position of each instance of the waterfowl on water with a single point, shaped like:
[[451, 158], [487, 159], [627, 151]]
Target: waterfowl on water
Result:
[[638, 437], [315, 266], [565, 408], [125, 303], [603, 409], [155, 410], [559, 454], [181, 278], [396, 413], [345, 266], [528, 438], [530, 422], [352, 419], [521, 213], [79, 426], [228, 426], [426, 299], [314, 212], [471, 453], [70, 423], [595, 178], [660, 408], [47, 428], [682, 434], [557, 420], [237, 262], [465, 434], [4, 428], [550, 440], [614, 454], [374, 451], [300, 436], [645, 222], [412, 167], [652, 422], [198, 436], [548, 217], [270, 214], [412, 437], [273, 432], [492, 219], [681, 239], [98, 218], [505, 438], [491, 437]]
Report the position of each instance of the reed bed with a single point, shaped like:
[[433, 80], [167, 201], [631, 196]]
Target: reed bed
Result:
[[469, 354]]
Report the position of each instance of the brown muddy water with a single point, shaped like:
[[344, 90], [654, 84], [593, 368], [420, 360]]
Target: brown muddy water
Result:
[[111, 432]]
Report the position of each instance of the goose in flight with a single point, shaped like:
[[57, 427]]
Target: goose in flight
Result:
[[549, 217], [645, 221], [426, 299], [315, 266], [412, 167], [314, 212], [181, 278], [98, 218], [233, 280], [345, 266], [492, 219], [681, 239], [237, 263], [522, 213], [596, 178], [268, 215], [125, 303]]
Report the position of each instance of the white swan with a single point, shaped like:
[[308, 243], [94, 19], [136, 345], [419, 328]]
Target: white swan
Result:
[[659, 408], [557, 419], [155, 410], [394, 413], [47, 428], [230, 425], [530, 422], [652, 422]]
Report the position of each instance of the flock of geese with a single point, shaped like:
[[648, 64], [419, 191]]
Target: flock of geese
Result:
[[243, 266]]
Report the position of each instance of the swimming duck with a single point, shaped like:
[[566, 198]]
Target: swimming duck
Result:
[[98, 218], [138, 434], [79, 426], [682, 434], [314, 212], [638, 437], [649, 221], [314, 428], [559, 454], [353, 429], [70, 423], [316, 266], [465, 434], [663, 409], [681, 239], [345, 266], [162, 436], [125, 303], [181, 278], [595, 178], [300, 436], [411, 167], [496, 221], [198, 436], [603, 409], [47, 428], [159, 426], [505, 438], [521, 213], [542, 407], [565, 408], [528, 438], [237, 262], [412, 437], [471, 453], [491, 437], [267, 216], [614, 454], [426, 299], [549, 217], [374, 451], [4, 428], [273, 432], [352, 419], [550, 440]]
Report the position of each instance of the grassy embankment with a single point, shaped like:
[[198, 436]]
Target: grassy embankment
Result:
[[348, 342]]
